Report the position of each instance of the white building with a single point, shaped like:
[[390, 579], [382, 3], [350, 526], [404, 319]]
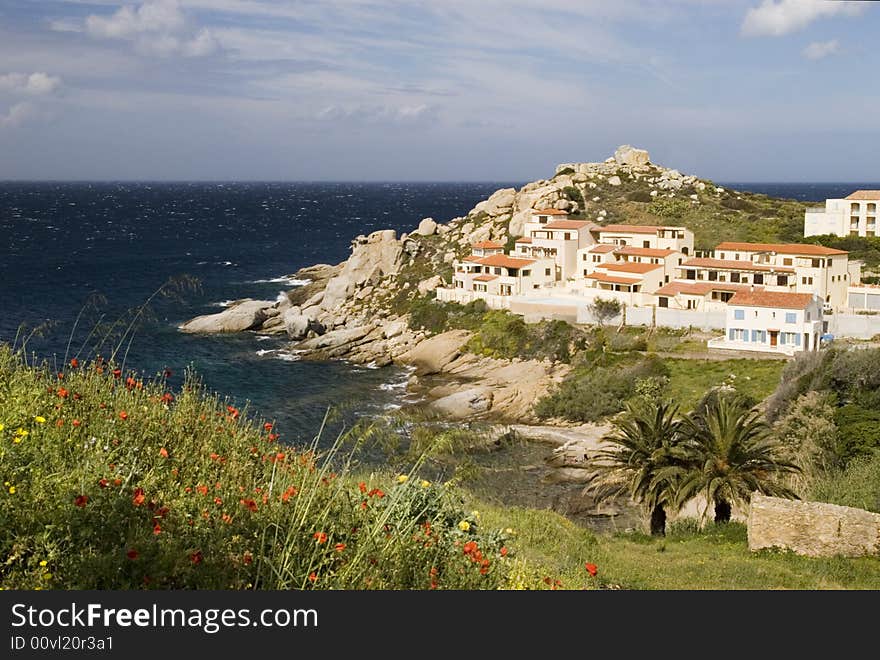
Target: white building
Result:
[[679, 239], [856, 215], [794, 267], [551, 235], [499, 275], [772, 322]]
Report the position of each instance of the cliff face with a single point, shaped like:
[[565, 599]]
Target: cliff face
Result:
[[358, 310]]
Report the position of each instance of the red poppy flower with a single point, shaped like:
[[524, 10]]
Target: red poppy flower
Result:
[[313, 577], [59, 423], [377, 492], [139, 497], [196, 557], [163, 452], [123, 415], [503, 551], [272, 437], [157, 529], [167, 373], [592, 569], [63, 392], [74, 363], [130, 382], [81, 500], [249, 504], [60, 376], [76, 422], [470, 547], [267, 426], [363, 487], [132, 554], [117, 482], [218, 501], [248, 558], [103, 483], [167, 397], [287, 494], [320, 537], [339, 547], [77, 396], [202, 489], [117, 373]]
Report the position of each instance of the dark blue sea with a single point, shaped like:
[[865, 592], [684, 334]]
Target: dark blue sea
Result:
[[100, 249]]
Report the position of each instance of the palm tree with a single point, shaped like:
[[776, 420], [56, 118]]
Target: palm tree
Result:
[[645, 441], [730, 454]]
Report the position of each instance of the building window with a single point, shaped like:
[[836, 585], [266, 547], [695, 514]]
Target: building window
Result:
[[547, 272], [790, 317], [722, 256], [497, 271], [806, 280], [787, 262], [646, 244], [739, 314], [782, 280], [526, 273], [758, 278], [734, 277], [692, 304], [664, 301]]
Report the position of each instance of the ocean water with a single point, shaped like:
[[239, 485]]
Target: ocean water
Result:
[[63, 244]]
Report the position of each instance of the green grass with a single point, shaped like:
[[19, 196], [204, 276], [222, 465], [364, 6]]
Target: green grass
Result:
[[548, 545], [690, 379]]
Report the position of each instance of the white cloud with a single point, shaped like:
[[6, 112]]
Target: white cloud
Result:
[[36, 84], [17, 115], [384, 114], [819, 49], [774, 18], [156, 27]]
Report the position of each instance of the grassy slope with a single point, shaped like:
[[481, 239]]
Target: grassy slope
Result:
[[549, 545], [690, 379]]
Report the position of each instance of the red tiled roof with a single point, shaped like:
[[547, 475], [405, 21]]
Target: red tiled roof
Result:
[[611, 279], [603, 248], [771, 299], [700, 288], [524, 239], [567, 224], [473, 259], [630, 229], [782, 248], [868, 195], [505, 261], [488, 245], [485, 278], [733, 264], [644, 252], [627, 267], [549, 212]]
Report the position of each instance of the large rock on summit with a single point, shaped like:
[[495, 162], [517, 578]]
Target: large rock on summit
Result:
[[628, 155], [241, 315]]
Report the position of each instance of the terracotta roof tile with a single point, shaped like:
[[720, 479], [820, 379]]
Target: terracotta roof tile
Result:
[[603, 248], [524, 239], [611, 279], [627, 267], [782, 248], [567, 224], [485, 278], [504, 261], [867, 195], [488, 245], [778, 299], [548, 212]]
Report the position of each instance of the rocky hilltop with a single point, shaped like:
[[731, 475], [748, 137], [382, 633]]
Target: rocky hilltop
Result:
[[358, 310]]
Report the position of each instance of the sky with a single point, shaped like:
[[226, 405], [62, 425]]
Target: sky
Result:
[[451, 90]]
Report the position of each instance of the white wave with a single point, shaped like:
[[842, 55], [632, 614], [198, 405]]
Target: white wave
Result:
[[279, 354], [285, 279], [263, 337], [222, 303]]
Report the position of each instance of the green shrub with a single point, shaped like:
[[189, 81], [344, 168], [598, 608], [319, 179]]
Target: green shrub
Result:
[[572, 193], [596, 390], [857, 486], [858, 431], [640, 196], [737, 204], [669, 208], [435, 317]]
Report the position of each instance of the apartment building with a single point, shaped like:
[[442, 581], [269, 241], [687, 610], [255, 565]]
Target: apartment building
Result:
[[551, 235], [854, 215]]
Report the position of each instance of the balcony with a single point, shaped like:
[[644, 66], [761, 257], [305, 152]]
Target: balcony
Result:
[[816, 209]]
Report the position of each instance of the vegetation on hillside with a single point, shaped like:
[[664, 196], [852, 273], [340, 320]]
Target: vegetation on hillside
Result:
[[113, 482]]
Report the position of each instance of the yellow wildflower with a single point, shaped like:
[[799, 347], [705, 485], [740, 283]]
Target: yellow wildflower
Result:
[[39, 419], [464, 526], [425, 483], [402, 479], [2, 427], [12, 490], [43, 563]]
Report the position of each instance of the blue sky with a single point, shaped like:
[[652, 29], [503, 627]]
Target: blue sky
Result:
[[752, 90]]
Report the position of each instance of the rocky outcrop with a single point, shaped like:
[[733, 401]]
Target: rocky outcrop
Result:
[[466, 404], [241, 315], [814, 529], [628, 155], [433, 355], [372, 258], [427, 227]]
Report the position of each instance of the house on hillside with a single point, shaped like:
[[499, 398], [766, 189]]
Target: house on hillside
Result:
[[498, 274], [551, 235], [855, 215], [772, 322], [679, 239]]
